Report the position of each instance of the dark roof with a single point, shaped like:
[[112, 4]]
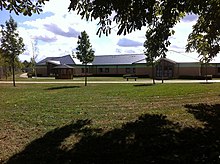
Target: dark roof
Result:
[[166, 59], [117, 59], [67, 59], [64, 66]]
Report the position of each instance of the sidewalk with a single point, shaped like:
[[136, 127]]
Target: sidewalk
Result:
[[112, 82], [24, 75]]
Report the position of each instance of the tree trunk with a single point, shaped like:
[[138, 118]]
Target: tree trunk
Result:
[[13, 71], [85, 74], [206, 76], [162, 71], [153, 73], [35, 71]]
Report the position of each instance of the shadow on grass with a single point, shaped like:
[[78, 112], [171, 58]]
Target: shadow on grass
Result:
[[47, 149], [206, 83], [62, 87], [144, 85], [149, 139]]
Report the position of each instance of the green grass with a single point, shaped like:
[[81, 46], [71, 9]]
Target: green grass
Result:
[[18, 78], [30, 113], [74, 79]]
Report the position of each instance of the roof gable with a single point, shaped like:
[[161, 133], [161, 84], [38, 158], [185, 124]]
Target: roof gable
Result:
[[166, 59], [67, 59]]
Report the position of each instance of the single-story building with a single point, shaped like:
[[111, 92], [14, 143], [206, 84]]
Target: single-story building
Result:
[[47, 66], [119, 65], [106, 65]]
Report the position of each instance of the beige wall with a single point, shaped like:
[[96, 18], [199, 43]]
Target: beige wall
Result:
[[77, 71], [180, 69], [140, 70], [121, 70], [212, 69], [144, 71], [195, 69], [187, 69]]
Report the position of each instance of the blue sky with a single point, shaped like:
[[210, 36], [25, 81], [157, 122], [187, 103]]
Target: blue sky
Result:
[[56, 31]]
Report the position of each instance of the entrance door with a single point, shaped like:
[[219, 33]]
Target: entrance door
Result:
[[164, 70]]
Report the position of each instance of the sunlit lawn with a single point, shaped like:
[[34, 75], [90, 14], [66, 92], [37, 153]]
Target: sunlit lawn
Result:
[[92, 78], [31, 111]]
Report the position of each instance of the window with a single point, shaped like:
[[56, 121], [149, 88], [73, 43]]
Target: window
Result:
[[134, 70], [218, 69], [69, 71], [83, 70], [100, 70], [128, 70], [106, 70], [63, 71]]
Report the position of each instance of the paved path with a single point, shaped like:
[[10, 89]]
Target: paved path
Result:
[[110, 82], [24, 75], [139, 81]]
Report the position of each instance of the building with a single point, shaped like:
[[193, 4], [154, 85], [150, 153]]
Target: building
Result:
[[119, 65], [107, 65], [63, 72], [47, 66]]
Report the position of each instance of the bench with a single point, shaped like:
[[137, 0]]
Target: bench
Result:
[[131, 77], [208, 77]]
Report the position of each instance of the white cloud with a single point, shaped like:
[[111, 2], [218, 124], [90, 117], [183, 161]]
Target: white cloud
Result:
[[124, 42], [56, 7], [57, 34], [46, 38]]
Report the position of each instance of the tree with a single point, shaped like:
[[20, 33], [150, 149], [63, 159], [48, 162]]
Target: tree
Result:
[[26, 64], [205, 37], [157, 41], [34, 56], [11, 44], [204, 47], [84, 52], [27, 7], [156, 46], [131, 15], [1, 59], [1, 65], [4, 63]]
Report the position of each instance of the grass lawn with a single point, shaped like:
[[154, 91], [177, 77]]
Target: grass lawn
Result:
[[110, 123], [92, 78]]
